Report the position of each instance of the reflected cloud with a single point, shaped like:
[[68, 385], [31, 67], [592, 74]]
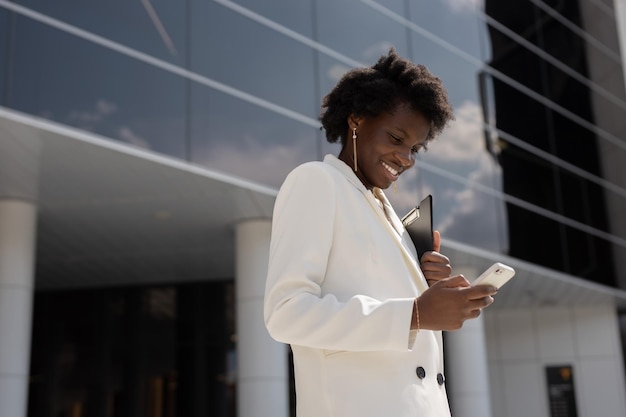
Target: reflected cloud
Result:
[[468, 215], [462, 6], [477, 217], [335, 72], [461, 141], [374, 52], [96, 121], [257, 161], [127, 135], [87, 119]]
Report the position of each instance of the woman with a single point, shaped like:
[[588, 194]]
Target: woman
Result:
[[344, 287]]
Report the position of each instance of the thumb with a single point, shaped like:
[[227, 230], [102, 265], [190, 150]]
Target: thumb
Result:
[[436, 240]]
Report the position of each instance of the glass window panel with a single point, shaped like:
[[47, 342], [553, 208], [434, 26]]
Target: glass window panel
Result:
[[358, 31], [529, 177], [72, 81], [453, 21], [243, 139], [547, 242], [329, 73], [294, 15], [516, 15], [465, 209], [466, 214], [521, 116], [252, 58], [459, 76], [574, 143], [561, 79], [156, 27], [5, 57], [583, 200]]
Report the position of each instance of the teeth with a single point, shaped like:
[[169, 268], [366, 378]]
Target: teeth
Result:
[[391, 170]]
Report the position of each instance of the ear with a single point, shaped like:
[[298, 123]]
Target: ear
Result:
[[354, 121]]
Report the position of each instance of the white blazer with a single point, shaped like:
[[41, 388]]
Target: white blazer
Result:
[[340, 288]]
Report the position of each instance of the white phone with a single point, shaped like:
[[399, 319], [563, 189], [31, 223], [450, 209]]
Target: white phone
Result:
[[497, 275]]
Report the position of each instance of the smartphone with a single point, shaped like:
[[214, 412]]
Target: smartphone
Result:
[[497, 275]]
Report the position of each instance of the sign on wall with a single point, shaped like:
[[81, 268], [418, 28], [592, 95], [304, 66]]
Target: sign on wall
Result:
[[561, 394]]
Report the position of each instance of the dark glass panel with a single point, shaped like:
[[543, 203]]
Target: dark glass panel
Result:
[[294, 15], [233, 50], [564, 81], [528, 177], [586, 194], [531, 178], [155, 27], [72, 81], [5, 55], [134, 351], [574, 144], [358, 31]]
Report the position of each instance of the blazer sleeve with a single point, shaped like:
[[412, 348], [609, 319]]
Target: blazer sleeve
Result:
[[295, 310]]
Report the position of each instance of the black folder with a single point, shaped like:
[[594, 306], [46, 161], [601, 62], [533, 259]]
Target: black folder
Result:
[[419, 223]]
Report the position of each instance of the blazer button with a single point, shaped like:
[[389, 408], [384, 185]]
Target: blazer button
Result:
[[421, 373], [440, 379]]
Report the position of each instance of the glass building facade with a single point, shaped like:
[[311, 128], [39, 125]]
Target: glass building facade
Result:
[[531, 167]]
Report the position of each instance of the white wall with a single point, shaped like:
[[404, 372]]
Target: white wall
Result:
[[521, 343]]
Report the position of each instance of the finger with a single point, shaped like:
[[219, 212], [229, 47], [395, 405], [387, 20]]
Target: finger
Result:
[[454, 282], [434, 257], [480, 291], [436, 240]]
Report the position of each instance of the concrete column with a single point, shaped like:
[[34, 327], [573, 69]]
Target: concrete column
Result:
[[262, 363], [467, 367], [17, 258]]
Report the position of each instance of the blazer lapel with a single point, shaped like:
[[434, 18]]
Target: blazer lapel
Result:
[[396, 228], [393, 226]]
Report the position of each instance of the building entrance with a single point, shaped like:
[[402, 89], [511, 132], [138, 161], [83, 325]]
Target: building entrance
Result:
[[149, 351]]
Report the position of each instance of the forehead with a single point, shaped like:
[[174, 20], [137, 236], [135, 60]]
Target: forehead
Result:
[[403, 116]]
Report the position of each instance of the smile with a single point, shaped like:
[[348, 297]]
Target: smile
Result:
[[392, 171]]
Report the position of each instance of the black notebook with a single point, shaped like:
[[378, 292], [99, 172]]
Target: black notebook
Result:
[[419, 223]]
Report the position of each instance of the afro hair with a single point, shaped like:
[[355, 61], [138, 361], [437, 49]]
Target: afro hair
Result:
[[393, 80]]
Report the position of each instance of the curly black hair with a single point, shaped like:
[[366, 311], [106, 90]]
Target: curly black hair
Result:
[[368, 92]]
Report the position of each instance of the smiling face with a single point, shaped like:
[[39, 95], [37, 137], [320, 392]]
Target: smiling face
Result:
[[386, 144]]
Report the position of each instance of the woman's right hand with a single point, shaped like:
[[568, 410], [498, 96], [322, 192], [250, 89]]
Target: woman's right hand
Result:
[[446, 304]]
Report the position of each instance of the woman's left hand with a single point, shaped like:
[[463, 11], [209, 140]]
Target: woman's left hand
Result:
[[435, 266]]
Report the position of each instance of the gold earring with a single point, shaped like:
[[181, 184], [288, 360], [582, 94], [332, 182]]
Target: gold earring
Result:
[[395, 187], [354, 147]]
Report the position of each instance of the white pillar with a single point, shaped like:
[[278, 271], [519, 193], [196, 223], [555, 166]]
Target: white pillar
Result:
[[467, 367], [262, 363], [17, 257]]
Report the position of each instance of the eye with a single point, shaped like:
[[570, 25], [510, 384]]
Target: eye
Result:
[[417, 148], [395, 138]]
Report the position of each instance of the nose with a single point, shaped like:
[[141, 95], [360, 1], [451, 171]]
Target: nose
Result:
[[406, 159]]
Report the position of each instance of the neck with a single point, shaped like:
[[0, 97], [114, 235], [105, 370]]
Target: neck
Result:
[[346, 157]]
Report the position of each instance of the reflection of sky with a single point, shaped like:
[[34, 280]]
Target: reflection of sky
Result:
[[462, 212], [127, 22], [102, 91]]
